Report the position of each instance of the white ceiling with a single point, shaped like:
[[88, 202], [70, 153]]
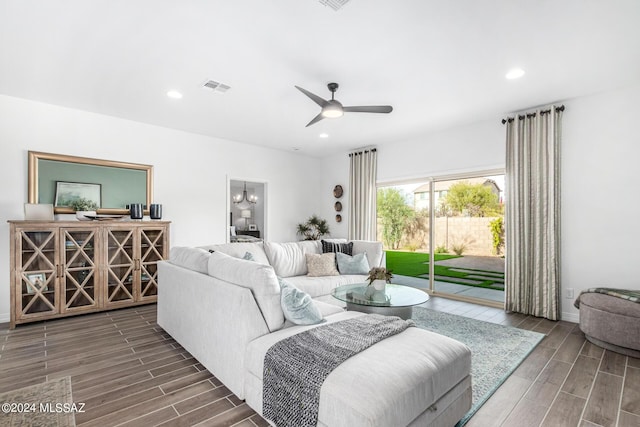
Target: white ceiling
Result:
[[438, 63]]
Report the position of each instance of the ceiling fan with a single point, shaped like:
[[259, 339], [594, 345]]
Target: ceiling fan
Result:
[[333, 108]]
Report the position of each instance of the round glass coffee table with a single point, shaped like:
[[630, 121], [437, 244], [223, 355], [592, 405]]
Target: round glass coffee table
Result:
[[395, 300]]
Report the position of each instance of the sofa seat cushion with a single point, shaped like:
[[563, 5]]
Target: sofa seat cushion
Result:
[[238, 250], [318, 286], [390, 383], [261, 279], [288, 259]]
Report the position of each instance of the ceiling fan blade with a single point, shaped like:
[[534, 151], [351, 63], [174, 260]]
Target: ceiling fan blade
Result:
[[316, 119], [321, 102], [369, 109]]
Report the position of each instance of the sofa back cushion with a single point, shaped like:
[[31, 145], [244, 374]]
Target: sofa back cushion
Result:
[[260, 278], [375, 254], [288, 259], [239, 250], [195, 259]]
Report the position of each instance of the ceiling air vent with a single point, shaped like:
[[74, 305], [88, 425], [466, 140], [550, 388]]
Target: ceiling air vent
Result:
[[216, 86], [334, 4]]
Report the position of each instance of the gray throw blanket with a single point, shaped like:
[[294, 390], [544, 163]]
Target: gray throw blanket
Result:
[[296, 367], [628, 294]]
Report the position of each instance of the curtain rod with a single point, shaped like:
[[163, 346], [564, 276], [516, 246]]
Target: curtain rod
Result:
[[362, 152], [529, 115]]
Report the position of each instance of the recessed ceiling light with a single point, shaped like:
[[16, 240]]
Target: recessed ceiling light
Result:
[[515, 73], [324, 135], [174, 94]]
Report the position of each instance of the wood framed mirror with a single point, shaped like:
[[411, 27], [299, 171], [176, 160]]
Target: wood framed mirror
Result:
[[122, 183]]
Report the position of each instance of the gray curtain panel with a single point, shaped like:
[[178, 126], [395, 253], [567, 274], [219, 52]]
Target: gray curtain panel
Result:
[[532, 215], [363, 171]]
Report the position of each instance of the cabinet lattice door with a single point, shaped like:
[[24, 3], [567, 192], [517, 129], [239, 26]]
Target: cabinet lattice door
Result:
[[80, 272], [120, 266], [37, 272], [152, 249]]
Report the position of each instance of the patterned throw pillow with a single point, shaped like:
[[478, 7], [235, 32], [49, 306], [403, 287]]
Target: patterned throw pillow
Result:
[[345, 248], [357, 264], [297, 305], [321, 265]]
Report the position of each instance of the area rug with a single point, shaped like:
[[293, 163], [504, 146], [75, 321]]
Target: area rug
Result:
[[41, 405], [496, 350]]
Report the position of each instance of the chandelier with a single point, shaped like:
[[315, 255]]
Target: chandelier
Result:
[[243, 201]]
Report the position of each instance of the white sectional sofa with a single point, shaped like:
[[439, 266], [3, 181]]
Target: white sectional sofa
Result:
[[226, 312]]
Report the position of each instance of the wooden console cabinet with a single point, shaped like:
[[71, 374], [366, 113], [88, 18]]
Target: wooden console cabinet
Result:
[[63, 268]]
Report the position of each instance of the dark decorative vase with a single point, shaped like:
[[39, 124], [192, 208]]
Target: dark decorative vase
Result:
[[155, 212], [136, 211]]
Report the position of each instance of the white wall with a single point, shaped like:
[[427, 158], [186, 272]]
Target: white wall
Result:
[[190, 171], [600, 187], [600, 236]]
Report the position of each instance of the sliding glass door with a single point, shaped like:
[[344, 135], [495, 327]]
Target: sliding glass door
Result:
[[446, 234]]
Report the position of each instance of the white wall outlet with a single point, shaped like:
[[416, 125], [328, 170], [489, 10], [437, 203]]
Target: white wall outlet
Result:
[[569, 293]]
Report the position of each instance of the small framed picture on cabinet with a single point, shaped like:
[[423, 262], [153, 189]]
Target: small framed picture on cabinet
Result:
[[36, 281]]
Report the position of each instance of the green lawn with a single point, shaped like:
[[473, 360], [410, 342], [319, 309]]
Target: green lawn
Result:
[[416, 264]]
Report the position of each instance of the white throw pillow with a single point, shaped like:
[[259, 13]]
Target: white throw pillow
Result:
[[321, 264]]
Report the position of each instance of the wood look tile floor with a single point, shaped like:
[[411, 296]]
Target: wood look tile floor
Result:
[[129, 372]]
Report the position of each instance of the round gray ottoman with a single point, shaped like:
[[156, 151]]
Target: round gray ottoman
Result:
[[611, 322]]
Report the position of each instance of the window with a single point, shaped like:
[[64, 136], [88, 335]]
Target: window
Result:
[[453, 248]]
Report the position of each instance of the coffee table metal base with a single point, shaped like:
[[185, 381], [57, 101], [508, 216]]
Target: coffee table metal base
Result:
[[401, 312]]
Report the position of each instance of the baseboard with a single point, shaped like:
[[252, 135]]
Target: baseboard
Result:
[[571, 317], [4, 317]]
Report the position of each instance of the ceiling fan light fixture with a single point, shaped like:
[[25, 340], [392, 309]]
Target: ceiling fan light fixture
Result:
[[332, 110]]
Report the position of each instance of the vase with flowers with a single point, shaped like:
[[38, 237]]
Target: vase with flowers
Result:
[[379, 277]]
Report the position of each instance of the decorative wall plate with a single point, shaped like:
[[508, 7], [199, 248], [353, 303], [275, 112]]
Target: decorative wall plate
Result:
[[338, 218], [338, 206], [337, 191]]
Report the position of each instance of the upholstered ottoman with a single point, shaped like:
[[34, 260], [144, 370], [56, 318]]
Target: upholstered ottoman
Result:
[[388, 384], [611, 322]]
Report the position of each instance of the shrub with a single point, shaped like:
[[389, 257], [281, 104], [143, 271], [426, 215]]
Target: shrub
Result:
[[497, 231], [458, 248], [412, 246], [441, 249]]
